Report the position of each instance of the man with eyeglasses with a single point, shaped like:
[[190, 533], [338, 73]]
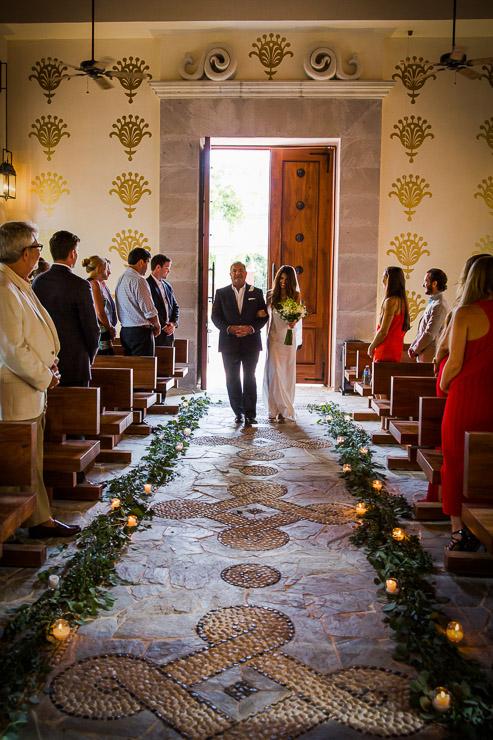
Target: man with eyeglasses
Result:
[[28, 356]]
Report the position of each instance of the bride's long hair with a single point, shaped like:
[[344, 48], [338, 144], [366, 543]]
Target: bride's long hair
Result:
[[292, 286]]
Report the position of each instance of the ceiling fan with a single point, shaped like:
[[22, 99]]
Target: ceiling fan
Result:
[[95, 70], [457, 61]]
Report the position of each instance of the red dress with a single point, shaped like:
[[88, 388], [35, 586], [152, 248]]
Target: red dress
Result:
[[391, 348], [469, 408]]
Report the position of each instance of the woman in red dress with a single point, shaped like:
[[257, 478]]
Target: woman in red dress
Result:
[[393, 322], [468, 379]]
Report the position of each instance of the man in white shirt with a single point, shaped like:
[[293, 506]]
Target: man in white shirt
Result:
[[28, 356], [433, 319], [136, 310]]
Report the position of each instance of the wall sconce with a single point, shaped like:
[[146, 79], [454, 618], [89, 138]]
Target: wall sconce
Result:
[[7, 171]]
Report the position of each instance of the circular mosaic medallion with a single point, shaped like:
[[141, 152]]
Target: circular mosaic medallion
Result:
[[259, 455], [258, 470], [274, 489], [335, 513], [263, 627], [253, 538], [249, 575]]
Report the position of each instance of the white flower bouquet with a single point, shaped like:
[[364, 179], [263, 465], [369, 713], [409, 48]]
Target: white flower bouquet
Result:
[[291, 311]]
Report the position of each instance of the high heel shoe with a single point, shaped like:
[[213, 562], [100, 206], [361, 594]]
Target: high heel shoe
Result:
[[463, 540]]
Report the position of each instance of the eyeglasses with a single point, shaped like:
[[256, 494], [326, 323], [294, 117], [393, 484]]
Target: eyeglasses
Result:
[[35, 246]]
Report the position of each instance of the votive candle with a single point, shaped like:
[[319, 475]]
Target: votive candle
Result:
[[360, 508], [347, 417], [363, 450], [346, 468], [53, 581], [398, 534], [61, 629], [455, 632], [441, 700], [115, 503], [377, 485], [340, 440], [391, 586], [179, 446], [132, 521], [147, 487]]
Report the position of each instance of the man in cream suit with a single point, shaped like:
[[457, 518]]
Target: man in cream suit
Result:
[[28, 356], [432, 321]]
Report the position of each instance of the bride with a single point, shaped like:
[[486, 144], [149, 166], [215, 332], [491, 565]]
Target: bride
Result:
[[280, 365]]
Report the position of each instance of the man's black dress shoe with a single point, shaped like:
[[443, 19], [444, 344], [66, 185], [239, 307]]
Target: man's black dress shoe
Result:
[[238, 419], [249, 420], [41, 531]]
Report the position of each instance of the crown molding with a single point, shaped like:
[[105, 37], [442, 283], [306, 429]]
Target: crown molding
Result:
[[358, 89]]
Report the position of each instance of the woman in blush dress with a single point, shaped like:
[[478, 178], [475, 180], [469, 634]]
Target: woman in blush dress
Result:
[[280, 365], [468, 380], [393, 322], [99, 271]]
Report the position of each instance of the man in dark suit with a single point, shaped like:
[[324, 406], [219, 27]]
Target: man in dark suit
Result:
[[164, 300], [239, 312], [68, 300]]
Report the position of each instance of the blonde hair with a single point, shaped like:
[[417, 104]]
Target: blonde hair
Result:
[[479, 283], [464, 274], [92, 263]]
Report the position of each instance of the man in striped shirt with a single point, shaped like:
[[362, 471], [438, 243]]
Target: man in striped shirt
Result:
[[136, 310]]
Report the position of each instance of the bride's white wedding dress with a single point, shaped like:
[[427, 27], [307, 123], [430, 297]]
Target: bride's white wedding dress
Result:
[[280, 367]]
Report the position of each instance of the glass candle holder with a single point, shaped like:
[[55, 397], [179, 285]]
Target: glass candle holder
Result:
[[398, 534], [187, 432], [391, 586], [115, 503], [179, 446], [132, 521], [340, 440], [346, 468], [360, 508], [363, 450], [147, 487], [442, 700], [377, 485], [455, 632], [61, 629], [347, 417]]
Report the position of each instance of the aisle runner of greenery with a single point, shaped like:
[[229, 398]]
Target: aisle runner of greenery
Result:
[[413, 609], [28, 646]]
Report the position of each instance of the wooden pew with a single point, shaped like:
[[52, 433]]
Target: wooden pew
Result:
[[18, 468], [405, 393], [382, 374], [166, 372], [144, 385], [71, 411], [429, 459], [477, 516], [363, 359], [116, 388]]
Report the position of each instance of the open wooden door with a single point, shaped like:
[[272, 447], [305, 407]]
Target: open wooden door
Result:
[[204, 198], [300, 234]]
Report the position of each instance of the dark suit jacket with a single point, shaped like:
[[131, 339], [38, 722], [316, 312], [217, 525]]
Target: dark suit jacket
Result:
[[225, 313], [174, 309], [68, 300]]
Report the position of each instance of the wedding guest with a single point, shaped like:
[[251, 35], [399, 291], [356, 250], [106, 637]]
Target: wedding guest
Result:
[[393, 322], [99, 271], [136, 310], [28, 357], [280, 365], [468, 380], [68, 299], [43, 266], [430, 327], [164, 299]]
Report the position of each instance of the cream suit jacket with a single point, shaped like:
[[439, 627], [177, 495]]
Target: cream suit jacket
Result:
[[28, 348]]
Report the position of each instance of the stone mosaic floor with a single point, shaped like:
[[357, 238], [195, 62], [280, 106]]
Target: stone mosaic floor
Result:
[[248, 613]]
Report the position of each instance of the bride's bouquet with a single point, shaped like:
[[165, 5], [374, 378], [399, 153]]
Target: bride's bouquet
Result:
[[290, 311]]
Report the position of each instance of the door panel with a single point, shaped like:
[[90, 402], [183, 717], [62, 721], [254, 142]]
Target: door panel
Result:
[[205, 154], [301, 236]]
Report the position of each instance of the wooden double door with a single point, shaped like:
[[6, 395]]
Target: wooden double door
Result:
[[300, 234]]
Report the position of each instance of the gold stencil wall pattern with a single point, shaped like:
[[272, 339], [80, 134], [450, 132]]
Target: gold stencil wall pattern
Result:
[[408, 248], [49, 72], [412, 133], [484, 245], [488, 73], [49, 131], [125, 241], [129, 83], [486, 130], [271, 50], [130, 130], [416, 304], [413, 73], [49, 187], [485, 191], [130, 187], [410, 191]]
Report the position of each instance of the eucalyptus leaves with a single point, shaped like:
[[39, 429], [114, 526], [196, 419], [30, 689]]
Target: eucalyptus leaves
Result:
[[413, 610], [26, 648]]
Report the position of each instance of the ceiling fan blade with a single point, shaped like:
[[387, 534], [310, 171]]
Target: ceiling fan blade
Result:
[[103, 82], [484, 60], [470, 73], [127, 75]]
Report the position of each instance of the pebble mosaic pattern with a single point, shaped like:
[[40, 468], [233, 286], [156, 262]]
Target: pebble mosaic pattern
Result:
[[260, 470], [240, 690], [261, 533], [249, 575], [113, 686]]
